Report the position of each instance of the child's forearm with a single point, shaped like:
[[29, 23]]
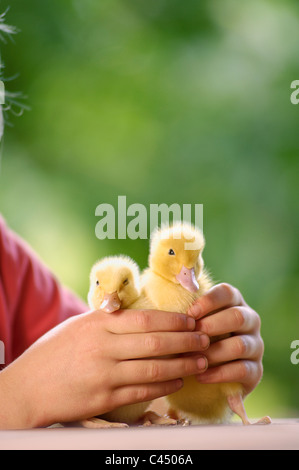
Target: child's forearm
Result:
[[16, 412]]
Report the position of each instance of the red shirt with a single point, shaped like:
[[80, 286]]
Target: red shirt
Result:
[[31, 299]]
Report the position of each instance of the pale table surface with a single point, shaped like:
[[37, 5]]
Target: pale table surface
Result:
[[281, 434]]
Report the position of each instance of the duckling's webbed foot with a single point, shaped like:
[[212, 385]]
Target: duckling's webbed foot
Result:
[[264, 420], [97, 423], [172, 413], [236, 404], [151, 418]]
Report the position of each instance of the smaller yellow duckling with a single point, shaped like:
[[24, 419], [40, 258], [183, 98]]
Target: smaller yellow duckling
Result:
[[114, 285]]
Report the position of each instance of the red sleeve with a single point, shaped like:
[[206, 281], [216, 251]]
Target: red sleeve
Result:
[[31, 300]]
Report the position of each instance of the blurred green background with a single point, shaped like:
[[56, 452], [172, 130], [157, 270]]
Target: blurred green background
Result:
[[165, 101]]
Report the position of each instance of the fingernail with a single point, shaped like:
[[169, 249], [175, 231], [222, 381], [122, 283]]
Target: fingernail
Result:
[[195, 310], [190, 323], [201, 363], [179, 383], [204, 341]]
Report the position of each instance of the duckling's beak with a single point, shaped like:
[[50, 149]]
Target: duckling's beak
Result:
[[111, 303], [187, 279]]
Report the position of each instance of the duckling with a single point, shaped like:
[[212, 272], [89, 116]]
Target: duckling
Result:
[[176, 277], [114, 285]]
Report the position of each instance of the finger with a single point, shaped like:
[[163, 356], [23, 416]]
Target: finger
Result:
[[135, 346], [130, 394], [218, 297], [231, 320], [233, 348], [146, 321], [248, 373], [158, 370]]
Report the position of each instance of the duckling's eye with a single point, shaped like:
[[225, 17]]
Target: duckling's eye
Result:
[[97, 283], [171, 252], [126, 282]]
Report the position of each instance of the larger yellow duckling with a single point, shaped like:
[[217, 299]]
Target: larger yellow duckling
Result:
[[174, 280]]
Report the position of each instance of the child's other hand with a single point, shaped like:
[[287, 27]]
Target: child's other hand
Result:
[[239, 357]]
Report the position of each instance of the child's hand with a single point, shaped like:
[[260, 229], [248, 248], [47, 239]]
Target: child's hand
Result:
[[95, 362], [238, 358]]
